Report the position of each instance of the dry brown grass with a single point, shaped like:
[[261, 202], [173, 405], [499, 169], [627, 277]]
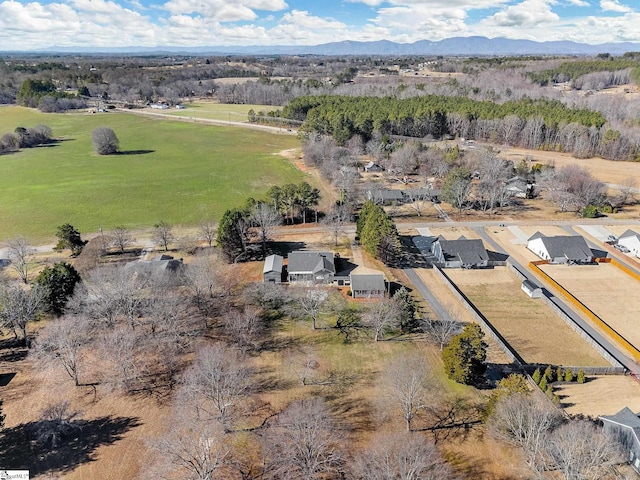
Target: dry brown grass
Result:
[[532, 329], [607, 291], [601, 395]]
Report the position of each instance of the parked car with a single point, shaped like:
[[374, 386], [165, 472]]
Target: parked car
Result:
[[621, 248], [611, 238]]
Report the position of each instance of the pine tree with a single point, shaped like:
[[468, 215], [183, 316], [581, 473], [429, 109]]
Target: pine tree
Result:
[[465, 355], [537, 376], [568, 375], [581, 376]]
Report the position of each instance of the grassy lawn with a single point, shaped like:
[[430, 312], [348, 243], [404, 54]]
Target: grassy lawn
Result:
[[217, 111], [177, 172]]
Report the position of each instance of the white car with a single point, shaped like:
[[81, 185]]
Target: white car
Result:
[[621, 248]]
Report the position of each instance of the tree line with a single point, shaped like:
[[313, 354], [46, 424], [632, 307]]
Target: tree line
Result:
[[23, 137], [568, 71]]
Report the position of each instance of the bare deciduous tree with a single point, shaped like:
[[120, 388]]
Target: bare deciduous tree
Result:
[[401, 456], [123, 358], [441, 330], [208, 232], [406, 385], [217, 383], [337, 220], [266, 219], [246, 327], [526, 421], [192, 448], [163, 234], [580, 450], [303, 443], [63, 342], [121, 238], [19, 306], [310, 301], [56, 421], [21, 256], [381, 317]]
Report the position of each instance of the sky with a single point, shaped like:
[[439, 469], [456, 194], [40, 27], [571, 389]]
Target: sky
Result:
[[36, 24]]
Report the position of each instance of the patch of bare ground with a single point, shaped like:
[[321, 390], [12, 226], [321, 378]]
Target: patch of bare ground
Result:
[[524, 322]]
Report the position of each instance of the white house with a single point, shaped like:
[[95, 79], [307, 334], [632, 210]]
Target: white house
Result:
[[561, 248], [631, 240]]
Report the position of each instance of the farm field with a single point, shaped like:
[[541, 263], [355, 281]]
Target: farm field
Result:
[[615, 304], [595, 397], [176, 172], [524, 322], [217, 111]]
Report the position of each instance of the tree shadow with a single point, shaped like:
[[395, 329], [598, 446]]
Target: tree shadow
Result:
[[12, 350], [19, 449], [135, 152]]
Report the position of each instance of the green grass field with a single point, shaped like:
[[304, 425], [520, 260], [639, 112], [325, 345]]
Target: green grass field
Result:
[[217, 111], [177, 172]]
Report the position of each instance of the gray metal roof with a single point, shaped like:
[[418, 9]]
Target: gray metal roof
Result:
[[529, 285], [573, 247], [624, 417], [273, 263], [629, 233], [311, 262], [153, 267], [468, 251], [367, 282]]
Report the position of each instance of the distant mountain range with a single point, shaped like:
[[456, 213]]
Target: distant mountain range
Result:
[[472, 46]]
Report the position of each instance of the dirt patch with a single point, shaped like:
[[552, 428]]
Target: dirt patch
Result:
[[524, 322]]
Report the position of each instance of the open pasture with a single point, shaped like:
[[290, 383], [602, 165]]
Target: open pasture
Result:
[[609, 292], [528, 325], [217, 111], [176, 172]]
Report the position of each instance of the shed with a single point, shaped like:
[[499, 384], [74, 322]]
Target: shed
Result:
[[531, 289], [368, 285], [631, 240], [560, 248], [624, 427], [463, 253], [372, 167], [272, 270]]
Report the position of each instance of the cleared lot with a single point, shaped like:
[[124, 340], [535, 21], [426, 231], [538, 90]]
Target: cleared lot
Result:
[[596, 398], [607, 291], [532, 329]]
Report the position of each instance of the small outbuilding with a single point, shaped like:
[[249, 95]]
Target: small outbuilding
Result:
[[272, 270], [461, 253], [372, 167], [531, 289], [561, 248], [368, 285], [631, 240]]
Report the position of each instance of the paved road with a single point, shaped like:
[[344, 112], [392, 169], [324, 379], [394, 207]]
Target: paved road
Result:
[[611, 348], [433, 302]]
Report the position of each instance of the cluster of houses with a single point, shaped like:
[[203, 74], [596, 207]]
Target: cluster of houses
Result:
[[308, 268], [387, 196]]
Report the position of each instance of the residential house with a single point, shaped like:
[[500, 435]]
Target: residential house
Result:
[[561, 248], [461, 253], [631, 240], [311, 268], [156, 267], [272, 270], [372, 167], [368, 285], [518, 187], [624, 427], [385, 196]]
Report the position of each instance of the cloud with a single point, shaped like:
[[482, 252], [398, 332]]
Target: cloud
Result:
[[302, 19], [224, 10], [528, 12], [579, 3], [614, 6]]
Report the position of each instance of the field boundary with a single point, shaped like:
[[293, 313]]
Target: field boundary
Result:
[[616, 367], [604, 326]]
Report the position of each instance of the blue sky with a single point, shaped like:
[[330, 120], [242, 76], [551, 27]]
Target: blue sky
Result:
[[32, 24]]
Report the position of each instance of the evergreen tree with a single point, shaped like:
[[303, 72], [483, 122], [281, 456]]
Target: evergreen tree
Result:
[[581, 376], [232, 231], [537, 376], [568, 375], [465, 355], [69, 238], [58, 282]]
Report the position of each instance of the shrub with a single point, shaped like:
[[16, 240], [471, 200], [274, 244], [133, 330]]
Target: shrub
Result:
[[537, 376], [590, 211], [568, 375], [543, 384], [559, 374], [105, 141], [548, 374], [581, 376]]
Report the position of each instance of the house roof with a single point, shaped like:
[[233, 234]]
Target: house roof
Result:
[[624, 417], [386, 194], [311, 262], [153, 267], [467, 251], [273, 263], [529, 285], [573, 247], [629, 233], [367, 282]]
